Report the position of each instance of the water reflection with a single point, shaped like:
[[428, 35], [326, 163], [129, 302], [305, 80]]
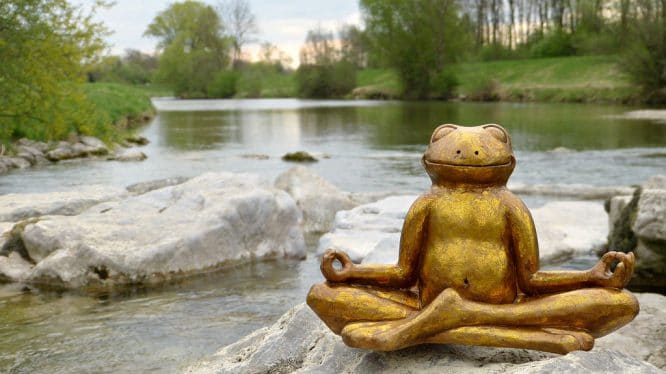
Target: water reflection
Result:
[[373, 145]]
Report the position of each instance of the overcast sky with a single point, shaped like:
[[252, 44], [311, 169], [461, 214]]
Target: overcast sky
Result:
[[283, 23]]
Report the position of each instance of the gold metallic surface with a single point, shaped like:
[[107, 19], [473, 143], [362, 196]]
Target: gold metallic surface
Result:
[[468, 268]]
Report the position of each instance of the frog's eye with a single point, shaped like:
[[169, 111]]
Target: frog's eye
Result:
[[497, 132], [442, 131]]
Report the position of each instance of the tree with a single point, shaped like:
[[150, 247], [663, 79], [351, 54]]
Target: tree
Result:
[[352, 45], [645, 58], [417, 37], [324, 72], [241, 24], [194, 48], [43, 46]]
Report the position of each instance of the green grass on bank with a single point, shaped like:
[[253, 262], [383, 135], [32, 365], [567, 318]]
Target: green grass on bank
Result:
[[571, 79], [266, 83], [104, 110], [121, 105], [560, 79], [378, 83]]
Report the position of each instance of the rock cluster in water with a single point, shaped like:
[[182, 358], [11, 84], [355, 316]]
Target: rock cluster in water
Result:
[[300, 342], [154, 231], [638, 223], [110, 236], [28, 153]]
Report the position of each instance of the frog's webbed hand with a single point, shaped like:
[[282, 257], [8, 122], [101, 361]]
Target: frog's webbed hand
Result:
[[602, 276], [328, 269]]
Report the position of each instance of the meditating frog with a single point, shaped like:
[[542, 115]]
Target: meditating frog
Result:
[[468, 267]]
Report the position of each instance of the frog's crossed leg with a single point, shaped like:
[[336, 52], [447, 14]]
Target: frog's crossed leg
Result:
[[372, 318]]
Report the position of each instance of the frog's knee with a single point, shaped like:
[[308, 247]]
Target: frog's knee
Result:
[[317, 295], [628, 303]]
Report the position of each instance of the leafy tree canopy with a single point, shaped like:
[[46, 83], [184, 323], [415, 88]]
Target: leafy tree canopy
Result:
[[43, 46], [194, 47]]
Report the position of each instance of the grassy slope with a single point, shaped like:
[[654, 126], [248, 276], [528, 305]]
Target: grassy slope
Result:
[[580, 78], [121, 104], [266, 84], [373, 81]]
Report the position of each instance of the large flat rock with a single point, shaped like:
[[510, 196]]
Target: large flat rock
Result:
[[564, 229], [16, 207], [186, 228], [299, 342], [318, 199]]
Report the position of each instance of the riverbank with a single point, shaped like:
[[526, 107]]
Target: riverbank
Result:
[[117, 109], [586, 79]]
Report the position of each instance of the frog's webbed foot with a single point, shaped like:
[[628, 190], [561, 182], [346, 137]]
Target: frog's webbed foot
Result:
[[378, 336], [402, 333]]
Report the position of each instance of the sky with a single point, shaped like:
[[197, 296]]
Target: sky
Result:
[[282, 23]]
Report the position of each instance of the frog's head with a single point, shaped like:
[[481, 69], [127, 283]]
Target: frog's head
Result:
[[469, 155]]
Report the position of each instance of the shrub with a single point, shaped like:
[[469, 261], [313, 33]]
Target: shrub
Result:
[[444, 84], [323, 81], [485, 89], [554, 44], [495, 51], [223, 84]]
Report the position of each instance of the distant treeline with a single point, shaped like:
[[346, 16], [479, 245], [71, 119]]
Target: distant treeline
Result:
[[49, 49], [201, 46]]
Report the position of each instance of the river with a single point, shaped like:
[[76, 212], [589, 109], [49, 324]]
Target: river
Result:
[[369, 146]]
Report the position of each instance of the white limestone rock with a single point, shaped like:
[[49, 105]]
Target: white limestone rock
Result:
[[564, 229], [87, 146], [5, 228], [128, 155], [645, 337], [577, 191], [182, 229], [569, 228], [359, 230], [616, 205], [300, 343], [94, 145], [143, 187], [16, 207], [650, 223], [13, 268], [318, 199]]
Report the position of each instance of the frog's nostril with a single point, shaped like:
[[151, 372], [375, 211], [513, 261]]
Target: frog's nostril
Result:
[[458, 151], [476, 152]]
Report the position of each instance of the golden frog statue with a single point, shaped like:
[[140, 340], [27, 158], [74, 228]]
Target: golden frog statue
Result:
[[468, 268]]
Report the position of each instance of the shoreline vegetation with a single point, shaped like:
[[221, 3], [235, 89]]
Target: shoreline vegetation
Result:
[[123, 107], [518, 52]]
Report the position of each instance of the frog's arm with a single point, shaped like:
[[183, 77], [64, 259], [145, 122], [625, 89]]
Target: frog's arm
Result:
[[404, 273], [526, 256]]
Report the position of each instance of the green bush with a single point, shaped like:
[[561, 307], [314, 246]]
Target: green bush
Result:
[[485, 89], [323, 81], [496, 51], [553, 44], [444, 84], [223, 85]]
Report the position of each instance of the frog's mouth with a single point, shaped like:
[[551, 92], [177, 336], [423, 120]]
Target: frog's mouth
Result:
[[508, 163], [493, 174]]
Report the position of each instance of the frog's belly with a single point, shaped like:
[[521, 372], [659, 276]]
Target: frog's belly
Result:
[[479, 270]]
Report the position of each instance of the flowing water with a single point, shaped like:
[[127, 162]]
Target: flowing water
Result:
[[368, 146]]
